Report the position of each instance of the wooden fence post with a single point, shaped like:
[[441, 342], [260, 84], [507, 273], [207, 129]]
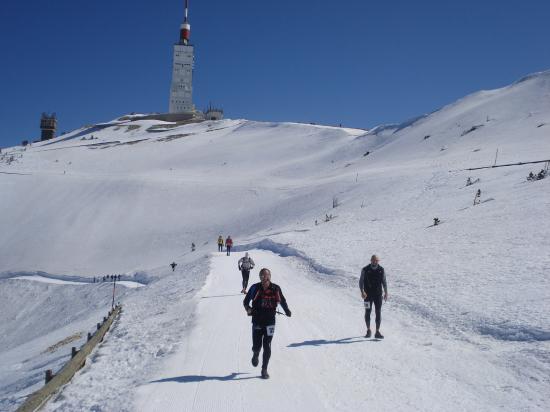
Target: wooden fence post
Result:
[[53, 382], [49, 375]]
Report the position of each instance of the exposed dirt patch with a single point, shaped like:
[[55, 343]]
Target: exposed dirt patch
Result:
[[63, 342]]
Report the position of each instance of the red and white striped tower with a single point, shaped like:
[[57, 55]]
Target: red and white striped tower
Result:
[[185, 29], [181, 89]]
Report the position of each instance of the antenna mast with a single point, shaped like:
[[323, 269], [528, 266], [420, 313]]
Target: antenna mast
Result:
[[185, 29]]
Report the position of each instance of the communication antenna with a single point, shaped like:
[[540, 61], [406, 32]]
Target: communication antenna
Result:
[[185, 30]]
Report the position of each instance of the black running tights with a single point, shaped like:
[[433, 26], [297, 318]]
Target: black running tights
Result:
[[375, 300], [259, 339], [246, 275]]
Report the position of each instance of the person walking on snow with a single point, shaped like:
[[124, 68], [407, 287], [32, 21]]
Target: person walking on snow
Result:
[[265, 296], [228, 245], [246, 264], [220, 243], [371, 283], [477, 198]]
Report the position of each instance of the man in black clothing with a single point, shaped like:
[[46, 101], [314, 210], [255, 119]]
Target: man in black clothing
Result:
[[265, 297], [371, 282]]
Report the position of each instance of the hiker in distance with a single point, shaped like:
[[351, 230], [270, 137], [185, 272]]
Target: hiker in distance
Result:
[[220, 243], [246, 264], [371, 283], [477, 198], [173, 266], [228, 245], [265, 296]]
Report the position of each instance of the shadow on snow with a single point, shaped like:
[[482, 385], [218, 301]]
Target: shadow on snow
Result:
[[200, 378], [343, 341], [222, 296]]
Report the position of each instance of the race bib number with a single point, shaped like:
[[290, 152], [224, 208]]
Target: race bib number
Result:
[[270, 330]]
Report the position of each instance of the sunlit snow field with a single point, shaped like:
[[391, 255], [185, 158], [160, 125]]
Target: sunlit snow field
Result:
[[467, 322]]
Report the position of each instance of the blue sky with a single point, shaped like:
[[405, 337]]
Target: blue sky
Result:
[[356, 62]]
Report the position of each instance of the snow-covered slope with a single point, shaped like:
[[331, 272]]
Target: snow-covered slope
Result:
[[132, 195], [126, 200]]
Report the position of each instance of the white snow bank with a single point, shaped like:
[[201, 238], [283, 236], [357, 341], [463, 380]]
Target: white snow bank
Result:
[[151, 327]]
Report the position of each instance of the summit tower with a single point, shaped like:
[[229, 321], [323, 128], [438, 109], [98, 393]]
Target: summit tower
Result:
[[181, 89]]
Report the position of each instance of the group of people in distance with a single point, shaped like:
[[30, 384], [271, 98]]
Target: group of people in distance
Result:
[[228, 244], [107, 278], [541, 175], [262, 299]]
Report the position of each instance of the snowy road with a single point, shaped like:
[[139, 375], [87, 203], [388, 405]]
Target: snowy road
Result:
[[212, 371], [320, 360]]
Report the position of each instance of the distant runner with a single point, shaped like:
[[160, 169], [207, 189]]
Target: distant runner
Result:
[[220, 243], [371, 282], [265, 297], [246, 264], [228, 245]]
